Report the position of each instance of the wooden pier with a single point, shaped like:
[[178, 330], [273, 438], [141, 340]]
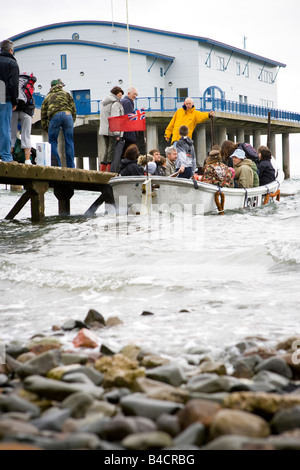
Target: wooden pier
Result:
[[36, 181]]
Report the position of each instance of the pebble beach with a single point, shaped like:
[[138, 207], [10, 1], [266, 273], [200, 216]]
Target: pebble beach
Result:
[[70, 391]]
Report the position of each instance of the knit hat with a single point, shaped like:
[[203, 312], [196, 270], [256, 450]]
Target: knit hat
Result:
[[151, 168], [57, 82], [239, 153]]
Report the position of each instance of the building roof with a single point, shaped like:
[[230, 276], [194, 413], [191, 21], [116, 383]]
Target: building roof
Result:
[[150, 30], [92, 44]]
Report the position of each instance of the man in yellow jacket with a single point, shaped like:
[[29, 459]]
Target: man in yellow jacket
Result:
[[185, 116]]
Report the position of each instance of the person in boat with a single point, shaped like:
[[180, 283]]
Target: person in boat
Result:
[[227, 149], [244, 172], [265, 167], [186, 116], [171, 156], [157, 159], [216, 172], [163, 163], [129, 165], [110, 107], [186, 159]]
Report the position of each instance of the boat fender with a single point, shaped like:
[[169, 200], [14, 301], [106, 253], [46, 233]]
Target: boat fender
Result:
[[276, 194], [220, 204]]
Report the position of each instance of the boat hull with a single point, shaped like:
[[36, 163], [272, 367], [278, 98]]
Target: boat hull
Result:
[[142, 195]]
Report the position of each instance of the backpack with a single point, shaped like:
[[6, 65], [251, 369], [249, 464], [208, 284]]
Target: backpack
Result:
[[250, 152], [26, 88]]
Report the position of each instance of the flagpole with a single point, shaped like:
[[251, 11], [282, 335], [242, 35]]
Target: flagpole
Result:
[[129, 65]]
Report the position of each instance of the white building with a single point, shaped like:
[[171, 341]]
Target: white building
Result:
[[92, 56]]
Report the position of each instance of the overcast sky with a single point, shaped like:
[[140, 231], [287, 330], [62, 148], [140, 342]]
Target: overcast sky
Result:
[[271, 27]]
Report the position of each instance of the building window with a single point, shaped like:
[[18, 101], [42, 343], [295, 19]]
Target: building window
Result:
[[208, 60], [243, 99], [266, 76], [221, 63], [238, 68], [161, 72], [182, 94], [246, 72], [267, 103], [63, 61], [155, 93]]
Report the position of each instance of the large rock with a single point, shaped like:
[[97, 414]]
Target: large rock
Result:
[[264, 404], [94, 316], [78, 404], [41, 345], [120, 426], [211, 383], [62, 373], [41, 364], [286, 420], [13, 402], [137, 404], [194, 435], [277, 365], [86, 339], [147, 441], [9, 426], [239, 423], [161, 391], [52, 419], [56, 390], [170, 373], [195, 411], [119, 371]]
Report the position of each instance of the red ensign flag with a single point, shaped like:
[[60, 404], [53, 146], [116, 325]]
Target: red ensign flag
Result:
[[128, 122]]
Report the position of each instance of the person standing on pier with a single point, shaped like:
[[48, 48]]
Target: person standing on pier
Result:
[[186, 116], [9, 91], [128, 105], [58, 111], [111, 106]]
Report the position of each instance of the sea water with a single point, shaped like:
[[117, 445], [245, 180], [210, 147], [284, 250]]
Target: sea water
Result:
[[210, 281]]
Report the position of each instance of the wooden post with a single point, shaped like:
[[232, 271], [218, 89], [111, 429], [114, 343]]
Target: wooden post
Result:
[[212, 127], [35, 191], [269, 131], [63, 193]]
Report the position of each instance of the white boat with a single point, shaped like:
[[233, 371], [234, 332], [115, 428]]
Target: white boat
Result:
[[142, 195]]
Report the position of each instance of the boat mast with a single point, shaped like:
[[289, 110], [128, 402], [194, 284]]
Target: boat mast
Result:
[[129, 65]]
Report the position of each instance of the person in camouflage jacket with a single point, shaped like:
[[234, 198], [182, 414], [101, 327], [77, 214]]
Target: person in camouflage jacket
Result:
[[216, 172], [58, 111]]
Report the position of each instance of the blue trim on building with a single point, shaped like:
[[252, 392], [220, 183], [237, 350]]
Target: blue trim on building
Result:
[[204, 103], [91, 44], [150, 30]]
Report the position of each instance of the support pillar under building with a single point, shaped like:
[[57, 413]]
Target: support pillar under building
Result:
[[151, 136], [200, 141], [256, 139], [286, 155], [222, 134], [240, 135]]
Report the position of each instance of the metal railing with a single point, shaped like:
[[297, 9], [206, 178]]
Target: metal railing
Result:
[[202, 104]]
